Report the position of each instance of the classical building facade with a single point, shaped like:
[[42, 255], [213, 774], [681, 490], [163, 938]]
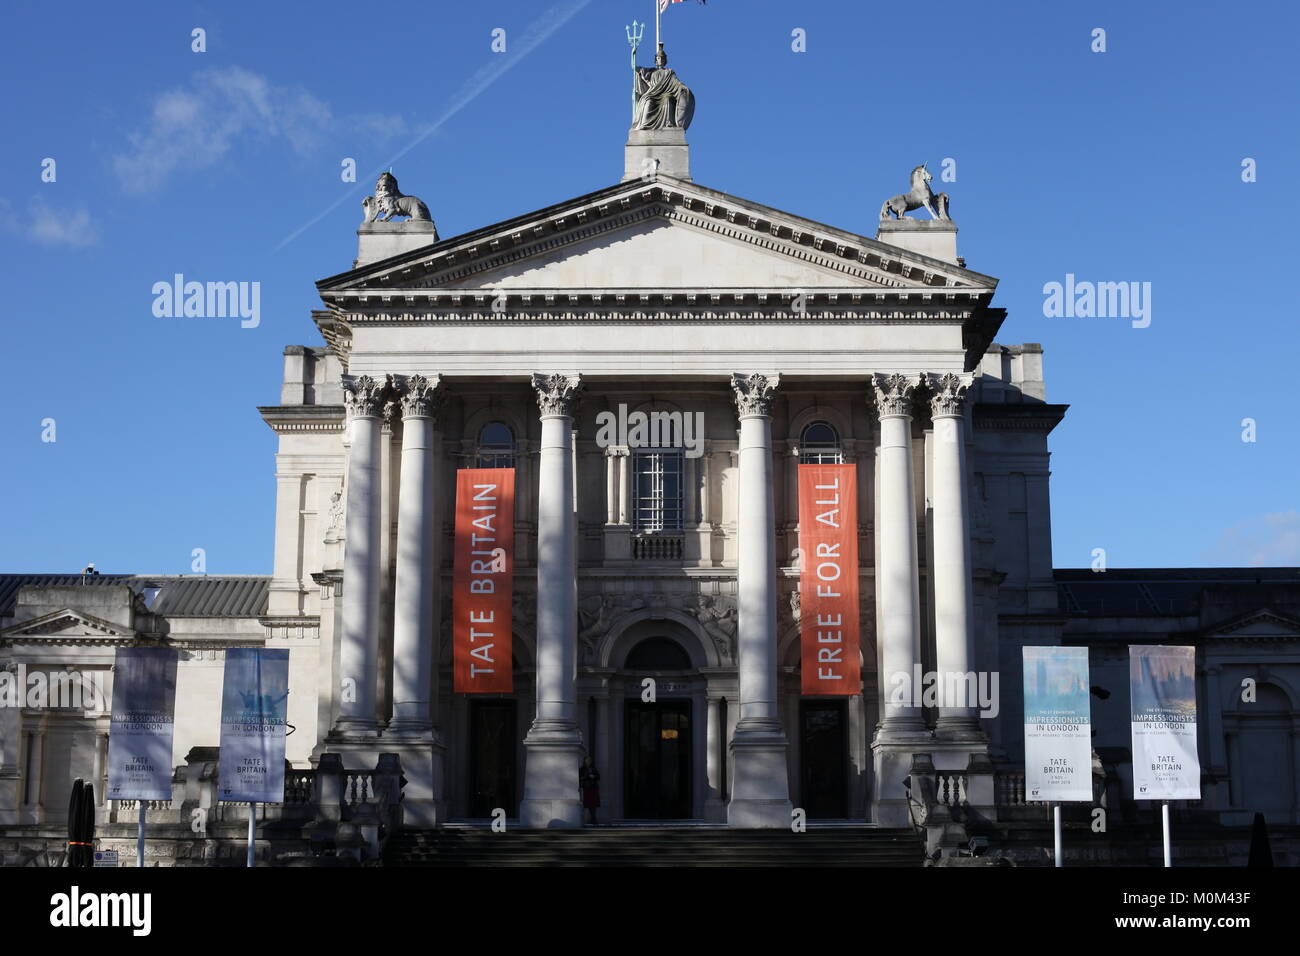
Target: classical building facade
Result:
[[773, 341]]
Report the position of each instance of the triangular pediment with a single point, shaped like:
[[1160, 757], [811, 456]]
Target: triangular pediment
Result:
[[1262, 624], [664, 234], [66, 625]]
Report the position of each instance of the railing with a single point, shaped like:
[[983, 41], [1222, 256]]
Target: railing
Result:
[[298, 786], [950, 787], [657, 545], [134, 805]]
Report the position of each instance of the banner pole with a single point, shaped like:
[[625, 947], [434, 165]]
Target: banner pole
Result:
[[1056, 829], [657, 15], [139, 838], [1164, 813], [252, 833]]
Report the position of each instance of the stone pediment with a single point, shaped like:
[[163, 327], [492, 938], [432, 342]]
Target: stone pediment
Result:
[[66, 626], [662, 235], [1263, 624]]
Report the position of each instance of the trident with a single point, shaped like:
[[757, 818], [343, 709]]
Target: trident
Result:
[[634, 34]]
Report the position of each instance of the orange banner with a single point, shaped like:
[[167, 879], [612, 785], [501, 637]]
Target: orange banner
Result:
[[483, 580], [828, 580]]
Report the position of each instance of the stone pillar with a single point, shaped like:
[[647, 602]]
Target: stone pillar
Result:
[[713, 806], [760, 792], [416, 599], [954, 618], [359, 643], [902, 729], [553, 746]]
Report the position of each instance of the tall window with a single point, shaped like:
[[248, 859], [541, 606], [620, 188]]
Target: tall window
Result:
[[820, 445], [496, 446], [657, 487]]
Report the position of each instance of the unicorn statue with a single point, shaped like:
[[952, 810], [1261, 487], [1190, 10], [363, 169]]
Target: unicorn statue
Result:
[[918, 197]]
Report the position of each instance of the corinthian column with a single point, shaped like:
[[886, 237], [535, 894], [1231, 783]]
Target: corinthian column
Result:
[[415, 594], [953, 618], [364, 399], [553, 746], [897, 599], [760, 792]]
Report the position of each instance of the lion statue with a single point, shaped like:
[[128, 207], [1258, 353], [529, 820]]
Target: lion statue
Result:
[[388, 201]]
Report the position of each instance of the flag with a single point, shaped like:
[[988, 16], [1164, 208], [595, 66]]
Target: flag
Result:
[[663, 4]]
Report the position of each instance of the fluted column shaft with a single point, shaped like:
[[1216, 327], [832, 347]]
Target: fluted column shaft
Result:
[[953, 617], [897, 593], [359, 646], [416, 591], [760, 796], [554, 742]]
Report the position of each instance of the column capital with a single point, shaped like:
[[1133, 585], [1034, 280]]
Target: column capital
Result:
[[364, 397], [754, 393], [893, 394], [421, 397], [556, 393], [616, 451], [948, 394]]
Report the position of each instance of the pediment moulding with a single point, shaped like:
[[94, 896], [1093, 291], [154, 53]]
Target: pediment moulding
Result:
[[631, 203]]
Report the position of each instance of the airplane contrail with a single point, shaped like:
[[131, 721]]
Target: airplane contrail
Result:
[[537, 33]]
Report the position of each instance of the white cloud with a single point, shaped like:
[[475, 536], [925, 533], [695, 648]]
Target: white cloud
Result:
[[50, 225], [1267, 540], [195, 127]]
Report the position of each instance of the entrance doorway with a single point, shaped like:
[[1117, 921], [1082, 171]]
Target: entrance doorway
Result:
[[492, 733], [657, 760], [823, 731]]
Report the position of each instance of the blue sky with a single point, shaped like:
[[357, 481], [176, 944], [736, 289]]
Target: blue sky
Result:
[[1115, 166]]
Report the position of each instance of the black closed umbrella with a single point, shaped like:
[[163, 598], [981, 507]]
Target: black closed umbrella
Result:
[[87, 825], [1261, 854], [81, 825]]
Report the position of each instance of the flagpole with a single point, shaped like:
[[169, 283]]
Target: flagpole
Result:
[[658, 14]]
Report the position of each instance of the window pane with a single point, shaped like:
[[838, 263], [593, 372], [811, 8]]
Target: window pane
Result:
[[496, 446], [658, 489]]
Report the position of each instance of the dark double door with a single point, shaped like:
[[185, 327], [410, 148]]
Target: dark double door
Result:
[[823, 749], [493, 731], [657, 760]]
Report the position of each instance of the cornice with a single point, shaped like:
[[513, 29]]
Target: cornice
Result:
[[303, 418], [659, 306], [1025, 416]]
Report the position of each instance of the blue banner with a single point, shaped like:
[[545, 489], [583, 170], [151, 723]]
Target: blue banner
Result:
[[1058, 724], [254, 702], [143, 718], [1162, 681]]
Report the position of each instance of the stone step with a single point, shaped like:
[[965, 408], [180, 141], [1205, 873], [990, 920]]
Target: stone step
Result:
[[655, 846]]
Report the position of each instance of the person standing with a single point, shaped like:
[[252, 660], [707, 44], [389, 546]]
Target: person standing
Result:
[[589, 781]]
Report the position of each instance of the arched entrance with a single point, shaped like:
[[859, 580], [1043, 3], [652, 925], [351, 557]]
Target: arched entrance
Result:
[[657, 734], [658, 713]]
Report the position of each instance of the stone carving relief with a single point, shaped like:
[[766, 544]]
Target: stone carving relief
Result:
[[389, 201], [557, 394], [719, 618], [919, 196], [754, 393]]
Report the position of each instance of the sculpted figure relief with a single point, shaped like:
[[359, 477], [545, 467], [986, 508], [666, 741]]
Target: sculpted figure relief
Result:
[[718, 617], [918, 197], [389, 201]]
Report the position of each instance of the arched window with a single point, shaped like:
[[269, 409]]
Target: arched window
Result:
[[496, 446], [820, 445], [658, 654]]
